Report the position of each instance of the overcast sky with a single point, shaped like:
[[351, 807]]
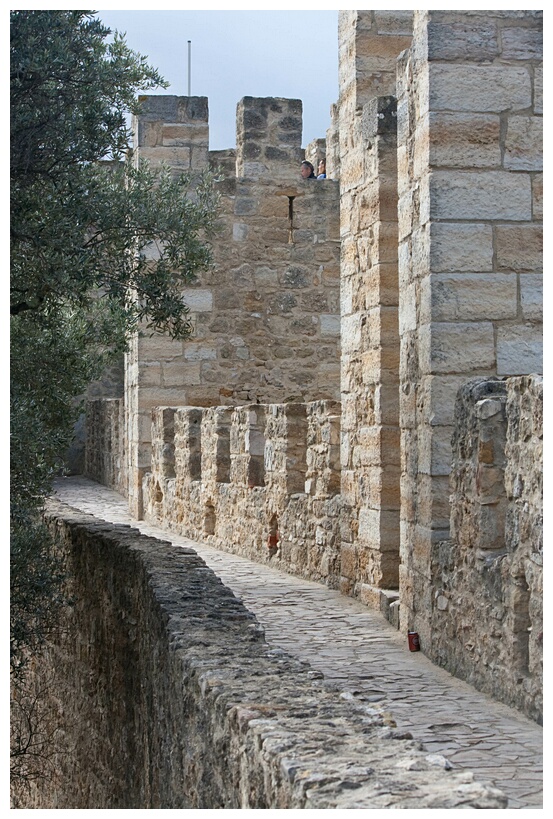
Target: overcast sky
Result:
[[236, 54]]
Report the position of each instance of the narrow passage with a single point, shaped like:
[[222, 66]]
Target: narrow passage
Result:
[[362, 656]]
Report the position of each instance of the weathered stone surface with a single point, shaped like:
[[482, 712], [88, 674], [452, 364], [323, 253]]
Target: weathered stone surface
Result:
[[519, 247], [195, 710], [480, 195], [489, 574], [519, 350], [522, 43], [524, 144], [457, 41], [448, 347], [531, 296], [469, 297], [464, 140], [461, 247], [479, 88]]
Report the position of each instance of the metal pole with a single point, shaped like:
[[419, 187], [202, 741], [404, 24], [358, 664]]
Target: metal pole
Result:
[[189, 64]]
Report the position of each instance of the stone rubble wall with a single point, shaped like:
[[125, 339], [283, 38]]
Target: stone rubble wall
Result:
[[487, 580], [165, 695], [261, 480]]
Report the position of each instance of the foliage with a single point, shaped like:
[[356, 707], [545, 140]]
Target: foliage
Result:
[[99, 247]]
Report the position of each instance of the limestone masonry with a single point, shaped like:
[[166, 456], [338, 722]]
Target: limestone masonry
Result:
[[361, 401]]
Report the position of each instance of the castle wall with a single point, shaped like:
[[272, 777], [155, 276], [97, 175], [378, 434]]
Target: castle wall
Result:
[[435, 146], [266, 316], [162, 693], [487, 592], [106, 443], [469, 248], [262, 480]]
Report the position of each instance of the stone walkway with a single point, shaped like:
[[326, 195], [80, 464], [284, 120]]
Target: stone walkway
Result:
[[361, 655]]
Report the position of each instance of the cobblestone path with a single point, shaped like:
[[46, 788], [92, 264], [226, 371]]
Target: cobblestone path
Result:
[[363, 656]]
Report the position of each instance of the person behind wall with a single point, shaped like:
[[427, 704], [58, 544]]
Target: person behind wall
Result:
[[322, 169], [307, 170]]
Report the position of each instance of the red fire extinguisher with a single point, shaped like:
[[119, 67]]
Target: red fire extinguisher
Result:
[[414, 642]]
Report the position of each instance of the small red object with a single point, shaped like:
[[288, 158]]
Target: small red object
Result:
[[414, 642]]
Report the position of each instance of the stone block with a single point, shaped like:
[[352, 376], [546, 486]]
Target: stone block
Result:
[[199, 352], [519, 247], [437, 398], [158, 348], [433, 499], [198, 300], [456, 347], [176, 374], [379, 53], [521, 43], [531, 296], [460, 248], [537, 196], [480, 195], [149, 375], [490, 88], [239, 232], [174, 157], [463, 140], [408, 308], [349, 561], [351, 329], [329, 325], [434, 449], [184, 134], [538, 89], [379, 530], [394, 22], [524, 144], [519, 350], [463, 41], [149, 397], [468, 297]]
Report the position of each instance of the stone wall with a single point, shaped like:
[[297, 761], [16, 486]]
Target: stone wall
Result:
[[487, 587], [261, 480], [369, 44], [266, 316], [469, 169], [165, 695], [105, 442]]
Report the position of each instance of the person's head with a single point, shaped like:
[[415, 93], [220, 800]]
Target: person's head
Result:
[[307, 169], [322, 166]]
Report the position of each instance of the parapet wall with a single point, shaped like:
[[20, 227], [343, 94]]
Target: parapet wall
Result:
[[173, 700], [487, 581], [261, 480]]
